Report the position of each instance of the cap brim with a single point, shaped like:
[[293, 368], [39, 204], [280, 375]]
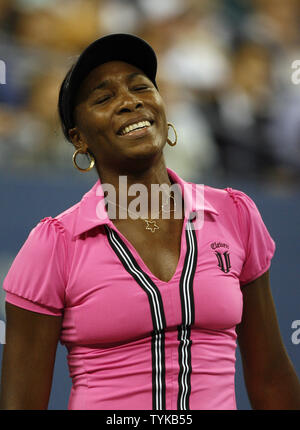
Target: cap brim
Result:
[[116, 47]]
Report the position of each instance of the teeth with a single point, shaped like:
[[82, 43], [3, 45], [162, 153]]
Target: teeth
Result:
[[131, 127]]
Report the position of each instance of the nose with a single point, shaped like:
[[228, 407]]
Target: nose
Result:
[[129, 103]]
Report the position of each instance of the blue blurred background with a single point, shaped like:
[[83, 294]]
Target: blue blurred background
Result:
[[225, 73]]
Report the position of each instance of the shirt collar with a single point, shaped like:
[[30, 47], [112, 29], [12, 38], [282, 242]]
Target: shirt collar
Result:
[[92, 210]]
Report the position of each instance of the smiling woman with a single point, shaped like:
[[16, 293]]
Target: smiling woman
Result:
[[116, 103], [150, 311]]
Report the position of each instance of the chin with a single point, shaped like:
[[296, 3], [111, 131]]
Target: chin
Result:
[[145, 151]]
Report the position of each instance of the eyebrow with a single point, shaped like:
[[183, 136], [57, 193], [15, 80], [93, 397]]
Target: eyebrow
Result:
[[104, 84]]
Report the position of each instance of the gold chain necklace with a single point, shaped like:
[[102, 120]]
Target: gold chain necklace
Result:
[[150, 224]]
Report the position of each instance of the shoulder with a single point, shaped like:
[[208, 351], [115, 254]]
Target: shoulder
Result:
[[236, 209], [58, 226], [67, 219], [228, 199], [64, 223]]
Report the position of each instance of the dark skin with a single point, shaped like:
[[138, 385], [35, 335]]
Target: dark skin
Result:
[[270, 377], [29, 353], [128, 95]]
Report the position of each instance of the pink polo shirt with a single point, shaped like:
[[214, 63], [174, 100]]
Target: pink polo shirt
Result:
[[133, 340]]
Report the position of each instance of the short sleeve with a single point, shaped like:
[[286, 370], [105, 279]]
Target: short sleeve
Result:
[[259, 245], [36, 279]]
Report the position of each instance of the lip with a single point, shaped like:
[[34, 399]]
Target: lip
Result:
[[134, 121], [136, 134]]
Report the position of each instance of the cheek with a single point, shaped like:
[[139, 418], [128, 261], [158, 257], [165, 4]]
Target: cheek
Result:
[[161, 110], [91, 123], [160, 103], [164, 123]]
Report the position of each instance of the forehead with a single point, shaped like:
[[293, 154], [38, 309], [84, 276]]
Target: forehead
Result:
[[117, 71]]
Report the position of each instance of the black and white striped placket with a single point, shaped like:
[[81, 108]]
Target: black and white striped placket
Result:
[[188, 317], [157, 313]]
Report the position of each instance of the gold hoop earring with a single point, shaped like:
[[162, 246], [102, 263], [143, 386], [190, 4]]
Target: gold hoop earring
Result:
[[92, 160], [168, 140]]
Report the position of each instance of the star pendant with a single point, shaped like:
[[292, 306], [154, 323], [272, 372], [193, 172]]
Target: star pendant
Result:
[[153, 227]]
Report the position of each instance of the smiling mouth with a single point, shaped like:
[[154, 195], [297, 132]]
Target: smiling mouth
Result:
[[141, 125]]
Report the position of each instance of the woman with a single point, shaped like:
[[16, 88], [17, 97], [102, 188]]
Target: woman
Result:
[[149, 310]]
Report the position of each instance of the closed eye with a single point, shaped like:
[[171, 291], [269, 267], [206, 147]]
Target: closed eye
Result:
[[102, 99], [140, 87]]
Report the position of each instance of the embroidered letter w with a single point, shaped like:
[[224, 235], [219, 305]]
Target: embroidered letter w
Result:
[[223, 261]]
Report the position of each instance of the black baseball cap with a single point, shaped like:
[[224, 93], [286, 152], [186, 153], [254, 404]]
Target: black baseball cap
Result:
[[113, 47]]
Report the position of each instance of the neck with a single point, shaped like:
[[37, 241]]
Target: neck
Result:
[[124, 187], [137, 171]]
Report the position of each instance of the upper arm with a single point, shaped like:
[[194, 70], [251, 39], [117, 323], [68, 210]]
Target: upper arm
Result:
[[28, 358], [258, 333], [263, 353]]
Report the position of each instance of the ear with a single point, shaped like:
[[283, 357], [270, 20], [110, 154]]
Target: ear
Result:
[[76, 139]]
